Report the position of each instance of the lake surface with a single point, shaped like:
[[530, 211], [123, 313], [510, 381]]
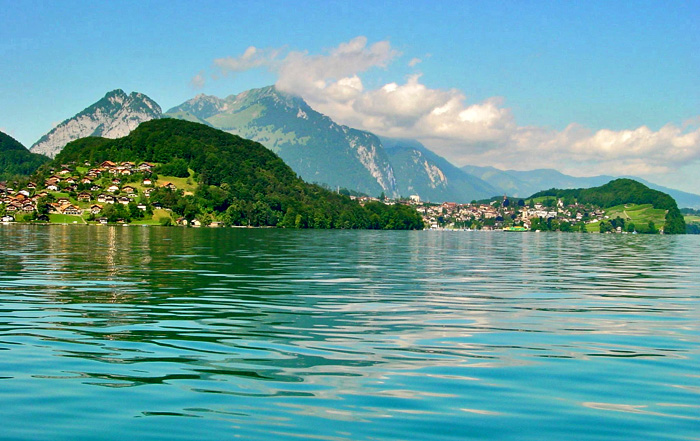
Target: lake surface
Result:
[[113, 333]]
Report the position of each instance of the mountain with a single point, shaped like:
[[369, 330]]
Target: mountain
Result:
[[322, 151], [621, 192], [316, 148], [16, 160], [525, 183], [114, 116], [238, 181], [420, 171]]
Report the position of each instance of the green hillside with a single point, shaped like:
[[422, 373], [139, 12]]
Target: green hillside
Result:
[[238, 181], [16, 160], [621, 192]]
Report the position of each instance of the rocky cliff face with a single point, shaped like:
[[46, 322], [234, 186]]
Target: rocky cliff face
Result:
[[421, 172], [114, 116]]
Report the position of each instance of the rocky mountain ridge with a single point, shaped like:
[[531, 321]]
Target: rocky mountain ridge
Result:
[[113, 116]]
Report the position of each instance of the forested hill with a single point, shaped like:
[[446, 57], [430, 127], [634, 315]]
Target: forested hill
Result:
[[16, 160], [239, 181], [625, 191]]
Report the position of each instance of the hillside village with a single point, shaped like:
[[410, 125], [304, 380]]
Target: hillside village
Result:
[[87, 192], [112, 192]]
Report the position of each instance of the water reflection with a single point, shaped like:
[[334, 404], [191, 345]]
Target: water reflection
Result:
[[274, 331]]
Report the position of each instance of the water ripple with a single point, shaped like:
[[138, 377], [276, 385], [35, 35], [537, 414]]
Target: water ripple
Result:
[[199, 334]]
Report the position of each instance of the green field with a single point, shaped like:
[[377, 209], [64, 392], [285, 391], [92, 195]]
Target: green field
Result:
[[155, 220], [180, 183], [638, 214], [66, 219], [692, 219]]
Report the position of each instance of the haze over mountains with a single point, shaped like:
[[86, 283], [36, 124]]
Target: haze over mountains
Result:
[[322, 151], [526, 183]]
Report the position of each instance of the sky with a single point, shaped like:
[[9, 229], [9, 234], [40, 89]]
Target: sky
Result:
[[587, 88]]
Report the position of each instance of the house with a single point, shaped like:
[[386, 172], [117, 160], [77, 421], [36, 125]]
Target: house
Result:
[[196, 223], [116, 181], [145, 166], [70, 180], [147, 181], [128, 165], [31, 186], [142, 207], [125, 171], [62, 201], [84, 197], [65, 171], [113, 188], [7, 218], [124, 200], [181, 221], [86, 180], [72, 210], [52, 187], [147, 192], [128, 189], [102, 220], [24, 192], [95, 208], [169, 185], [108, 164], [28, 207], [95, 188]]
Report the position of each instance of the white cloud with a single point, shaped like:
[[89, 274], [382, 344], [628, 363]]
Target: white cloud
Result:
[[480, 133], [251, 58], [414, 62], [198, 81], [315, 75]]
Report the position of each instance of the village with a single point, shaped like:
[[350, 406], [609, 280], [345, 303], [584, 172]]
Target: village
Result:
[[86, 192], [509, 214]]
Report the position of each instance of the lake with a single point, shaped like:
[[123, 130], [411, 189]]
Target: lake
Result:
[[114, 333]]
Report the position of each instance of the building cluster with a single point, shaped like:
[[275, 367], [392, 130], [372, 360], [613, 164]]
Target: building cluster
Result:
[[501, 213], [100, 185]]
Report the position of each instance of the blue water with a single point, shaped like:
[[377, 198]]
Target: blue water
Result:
[[113, 333]]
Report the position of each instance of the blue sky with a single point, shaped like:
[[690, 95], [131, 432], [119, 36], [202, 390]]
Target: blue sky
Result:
[[585, 87]]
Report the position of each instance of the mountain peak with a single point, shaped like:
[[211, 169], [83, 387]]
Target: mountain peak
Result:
[[116, 93], [273, 94], [113, 116]]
